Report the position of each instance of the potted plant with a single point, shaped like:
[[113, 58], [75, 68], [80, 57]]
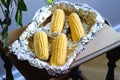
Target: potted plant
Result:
[[7, 8]]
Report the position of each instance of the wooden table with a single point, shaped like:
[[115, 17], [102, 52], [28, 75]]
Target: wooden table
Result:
[[107, 39]]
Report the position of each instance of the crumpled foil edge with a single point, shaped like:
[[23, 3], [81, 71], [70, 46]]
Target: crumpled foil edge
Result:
[[21, 50]]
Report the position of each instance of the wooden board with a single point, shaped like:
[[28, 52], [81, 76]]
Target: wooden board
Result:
[[105, 40]]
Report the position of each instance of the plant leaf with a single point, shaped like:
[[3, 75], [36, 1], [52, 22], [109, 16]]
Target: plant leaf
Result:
[[5, 40], [22, 6], [11, 1], [4, 34], [7, 21], [6, 13], [3, 3], [18, 17], [0, 21], [8, 3], [4, 31]]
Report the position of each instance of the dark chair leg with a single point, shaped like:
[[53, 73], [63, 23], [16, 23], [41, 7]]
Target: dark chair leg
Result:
[[112, 56], [76, 74], [7, 63]]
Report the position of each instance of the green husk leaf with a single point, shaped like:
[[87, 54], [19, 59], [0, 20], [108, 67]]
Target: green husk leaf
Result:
[[51, 2]]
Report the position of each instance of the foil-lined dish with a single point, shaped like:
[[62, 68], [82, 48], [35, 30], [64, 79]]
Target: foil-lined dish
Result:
[[92, 22]]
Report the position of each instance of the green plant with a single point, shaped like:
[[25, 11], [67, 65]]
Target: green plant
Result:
[[7, 9], [6, 6]]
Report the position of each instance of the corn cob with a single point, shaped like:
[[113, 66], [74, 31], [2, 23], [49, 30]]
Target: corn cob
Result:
[[41, 45], [77, 31], [57, 21], [59, 49]]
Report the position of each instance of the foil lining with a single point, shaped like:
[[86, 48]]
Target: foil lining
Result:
[[23, 52]]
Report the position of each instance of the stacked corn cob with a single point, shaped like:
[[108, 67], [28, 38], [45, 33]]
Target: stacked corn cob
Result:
[[77, 31], [41, 45], [59, 50], [59, 46], [57, 21]]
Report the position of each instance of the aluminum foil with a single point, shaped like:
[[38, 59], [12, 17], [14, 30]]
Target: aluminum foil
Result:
[[23, 52]]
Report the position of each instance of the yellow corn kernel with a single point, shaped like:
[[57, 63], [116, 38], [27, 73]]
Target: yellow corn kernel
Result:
[[57, 21], [41, 45], [77, 31], [59, 49]]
